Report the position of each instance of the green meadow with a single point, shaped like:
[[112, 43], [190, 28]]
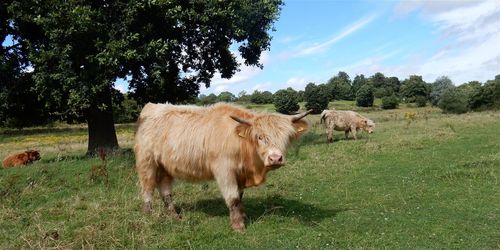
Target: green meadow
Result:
[[423, 180]]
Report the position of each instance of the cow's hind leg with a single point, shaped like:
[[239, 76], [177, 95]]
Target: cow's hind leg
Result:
[[229, 188], [165, 182], [147, 178]]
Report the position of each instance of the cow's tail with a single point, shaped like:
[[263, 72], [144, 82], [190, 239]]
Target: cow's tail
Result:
[[323, 116]]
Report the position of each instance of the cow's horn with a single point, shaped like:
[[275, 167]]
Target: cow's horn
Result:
[[300, 116], [240, 120]]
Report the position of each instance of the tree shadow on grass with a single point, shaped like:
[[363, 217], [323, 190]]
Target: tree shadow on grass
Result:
[[258, 207], [313, 138], [310, 138]]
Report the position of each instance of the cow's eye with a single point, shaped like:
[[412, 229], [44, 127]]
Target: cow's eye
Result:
[[262, 139]]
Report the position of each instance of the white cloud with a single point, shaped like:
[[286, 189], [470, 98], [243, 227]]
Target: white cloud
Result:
[[297, 83], [470, 22], [430, 7], [245, 73], [318, 48], [470, 51], [286, 39], [220, 88], [261, 87], [370, 66], [466, 64], [474, 52]]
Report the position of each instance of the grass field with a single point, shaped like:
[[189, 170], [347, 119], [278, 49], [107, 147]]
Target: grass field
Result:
[[426, 182]]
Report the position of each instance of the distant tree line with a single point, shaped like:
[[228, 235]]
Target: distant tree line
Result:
[[470, 96], [19, 106]]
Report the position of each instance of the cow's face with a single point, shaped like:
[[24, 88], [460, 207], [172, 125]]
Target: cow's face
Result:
[[271, 135], [369, 126], [33, 155]]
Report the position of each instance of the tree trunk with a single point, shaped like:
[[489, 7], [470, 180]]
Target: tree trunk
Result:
[[101, 127]]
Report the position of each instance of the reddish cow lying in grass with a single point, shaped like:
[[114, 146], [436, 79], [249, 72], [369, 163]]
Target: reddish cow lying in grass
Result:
[[21, 158], [347, 121], [234, 146]]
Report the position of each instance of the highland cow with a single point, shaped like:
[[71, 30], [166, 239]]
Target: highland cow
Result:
[[21, 159], [234, 146], [347, 121]]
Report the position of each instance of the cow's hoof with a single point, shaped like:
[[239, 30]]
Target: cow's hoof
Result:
[[147, 208]]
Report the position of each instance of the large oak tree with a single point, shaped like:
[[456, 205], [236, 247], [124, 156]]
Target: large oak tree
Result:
[[168, 48]]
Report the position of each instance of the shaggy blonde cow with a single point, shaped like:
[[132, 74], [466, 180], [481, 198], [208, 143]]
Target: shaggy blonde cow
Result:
[[347, 121], [232, 145]]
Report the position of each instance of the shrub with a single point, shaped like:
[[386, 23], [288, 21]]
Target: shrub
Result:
[[316, 97], [486, 96], [226, 96], [390, 102], [381, 92], [421, 101], [126, 111], [340, 87], [413, 87], [207, 99], [364, 96], [261, 97], [285, 101], [438, 87], [453, 101]]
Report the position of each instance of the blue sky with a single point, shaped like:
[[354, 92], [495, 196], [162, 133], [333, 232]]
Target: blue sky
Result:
[[316, 39]]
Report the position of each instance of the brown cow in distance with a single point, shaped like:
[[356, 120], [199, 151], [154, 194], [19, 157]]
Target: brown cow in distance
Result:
[[234, 146], [21, 158]]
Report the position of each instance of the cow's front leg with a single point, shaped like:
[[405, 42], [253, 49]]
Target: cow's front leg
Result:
[[227, 183], [237, 215], [329, 135], [353, 131], [147, 174], [346, 134], [165, 182]]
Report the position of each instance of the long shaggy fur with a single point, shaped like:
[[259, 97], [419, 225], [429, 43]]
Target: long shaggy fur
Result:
[[188, 140], [21, 159], [347, 121], [234, 146]]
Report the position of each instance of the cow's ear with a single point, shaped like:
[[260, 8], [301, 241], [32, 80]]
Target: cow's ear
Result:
[[300, 127], [243, 129]]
